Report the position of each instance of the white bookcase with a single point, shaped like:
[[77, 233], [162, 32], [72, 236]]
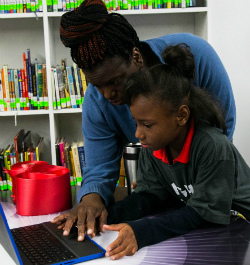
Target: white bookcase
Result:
[[40, 33]]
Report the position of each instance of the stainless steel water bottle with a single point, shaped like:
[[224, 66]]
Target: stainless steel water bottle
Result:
[[131, 155]]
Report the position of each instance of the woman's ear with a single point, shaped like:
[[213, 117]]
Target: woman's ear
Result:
[[183, 115], [137, 57]]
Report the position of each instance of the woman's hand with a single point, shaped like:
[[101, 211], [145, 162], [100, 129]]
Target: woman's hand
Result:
[[89, 215], [124, 245]]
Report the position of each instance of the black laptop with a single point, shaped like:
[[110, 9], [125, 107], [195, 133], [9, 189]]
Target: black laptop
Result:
[[44, 244]]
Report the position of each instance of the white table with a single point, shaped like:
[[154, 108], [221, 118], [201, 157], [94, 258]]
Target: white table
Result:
[[227, 246]]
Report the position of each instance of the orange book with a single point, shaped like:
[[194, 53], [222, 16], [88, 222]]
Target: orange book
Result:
[[4, 92]]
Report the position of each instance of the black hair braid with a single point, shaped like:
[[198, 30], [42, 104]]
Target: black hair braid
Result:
[[92, 34]]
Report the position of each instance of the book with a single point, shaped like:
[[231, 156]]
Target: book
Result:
[[26, 94], [58, 158], [62, 152], [25, 97], [67, 148], [1, 95], [3, 174], [61, 87], [56, 87], [18, 143], [6, 87], [71, 87], [11, 89], [74, 148], [17, 94], [29, 78], [81, 154], [77, 86], [34, 87], [65, 80], [40, 87], [4, 91], [73, 179], [26, 141], [39, 148], [53, 89], [20, 89], [45, 89]]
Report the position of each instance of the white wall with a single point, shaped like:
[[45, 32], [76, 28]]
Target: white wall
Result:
[[229, 34]]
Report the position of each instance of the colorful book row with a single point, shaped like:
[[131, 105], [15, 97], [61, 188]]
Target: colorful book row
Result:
[[68, 86], [71, 156], [20, 6], [24, 89], [23, 149]]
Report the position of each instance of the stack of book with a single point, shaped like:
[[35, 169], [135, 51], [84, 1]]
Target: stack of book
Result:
[[25, 88], [23, 149], [20, 6], [68, 86], [71, 155]]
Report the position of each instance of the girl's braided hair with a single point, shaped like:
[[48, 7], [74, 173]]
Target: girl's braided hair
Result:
[[93, 33]]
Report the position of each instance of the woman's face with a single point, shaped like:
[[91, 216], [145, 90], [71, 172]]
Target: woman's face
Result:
[[109, 76]]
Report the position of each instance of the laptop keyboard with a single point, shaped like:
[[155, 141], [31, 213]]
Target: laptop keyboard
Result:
[[39, 245]]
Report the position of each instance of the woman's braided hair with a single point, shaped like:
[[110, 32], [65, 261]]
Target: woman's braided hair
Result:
[[92, 33]]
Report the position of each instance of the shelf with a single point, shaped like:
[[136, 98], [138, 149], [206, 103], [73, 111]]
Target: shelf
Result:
[[21, 15], [148, 11], [60, 111], [24, 113]]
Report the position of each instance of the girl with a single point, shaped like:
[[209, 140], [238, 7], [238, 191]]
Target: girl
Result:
[[188, 166]]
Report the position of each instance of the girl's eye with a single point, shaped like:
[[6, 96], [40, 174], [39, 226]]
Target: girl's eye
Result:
[[147, 125]]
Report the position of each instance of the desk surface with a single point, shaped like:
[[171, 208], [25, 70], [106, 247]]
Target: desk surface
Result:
[[230, 245]]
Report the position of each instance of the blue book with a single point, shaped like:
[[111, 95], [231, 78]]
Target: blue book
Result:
[[81, 155]]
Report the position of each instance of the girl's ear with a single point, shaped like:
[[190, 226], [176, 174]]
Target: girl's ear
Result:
[[183, 115], [137, 57]]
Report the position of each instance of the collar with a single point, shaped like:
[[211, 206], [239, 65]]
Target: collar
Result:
[[184, 155]]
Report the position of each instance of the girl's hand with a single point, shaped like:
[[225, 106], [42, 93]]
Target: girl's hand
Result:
[[124, 245]]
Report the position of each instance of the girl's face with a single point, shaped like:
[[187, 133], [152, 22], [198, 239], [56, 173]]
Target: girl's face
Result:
[[157, 127], [109, 76]]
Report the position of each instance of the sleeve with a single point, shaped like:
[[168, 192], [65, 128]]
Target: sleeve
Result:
[[103, 150], [167, 225], [212, 76], [215, 180]]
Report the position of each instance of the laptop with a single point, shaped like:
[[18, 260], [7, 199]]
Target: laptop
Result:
[[44, 244]]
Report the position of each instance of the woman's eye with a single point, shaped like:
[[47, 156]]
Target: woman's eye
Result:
[[147, 125]]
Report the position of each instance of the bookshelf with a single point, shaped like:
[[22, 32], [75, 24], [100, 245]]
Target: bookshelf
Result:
[[40, 33]]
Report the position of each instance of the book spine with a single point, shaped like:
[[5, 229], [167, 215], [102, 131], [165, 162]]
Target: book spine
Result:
[[82, 161], [58, 100], [40, 86], [34, 87], [7, 91], [81, 85], [20, 89], [73, 179], [4, 177], [71, 87], [61, 87], [24, 90], [17, 94], [45, 89], [1, 94], [26, 94], [29, 76], [62, 154], [77, 86], [78, 178], [53, 89]]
